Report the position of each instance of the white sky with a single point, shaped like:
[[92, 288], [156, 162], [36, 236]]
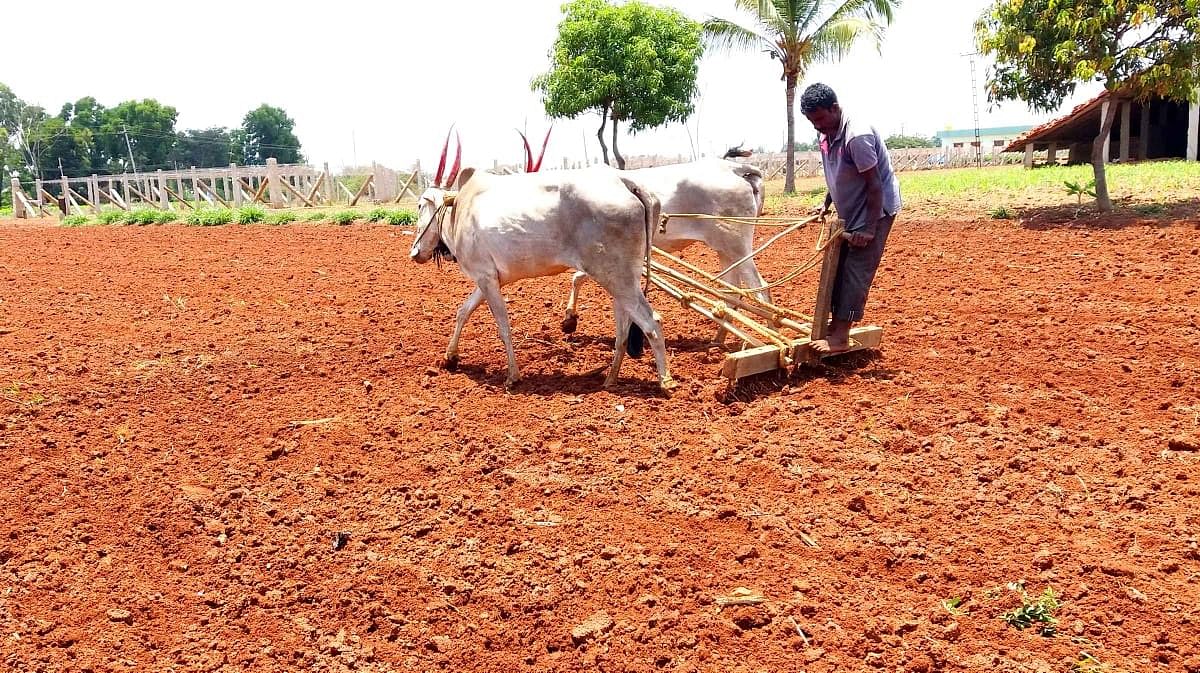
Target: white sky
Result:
[[383, 81]]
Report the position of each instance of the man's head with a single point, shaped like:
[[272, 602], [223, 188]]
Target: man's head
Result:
[[819, 103]]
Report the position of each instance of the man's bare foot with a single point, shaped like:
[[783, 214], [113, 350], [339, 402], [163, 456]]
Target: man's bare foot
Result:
[[830, 346]]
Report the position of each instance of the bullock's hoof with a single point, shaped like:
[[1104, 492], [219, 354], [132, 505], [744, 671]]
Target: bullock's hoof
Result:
[[450, 364], [511, 382], [668, 386], [570, 324]]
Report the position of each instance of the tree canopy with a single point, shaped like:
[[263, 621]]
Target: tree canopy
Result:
[[632, 63], [86, 137], [799, 33], [268, 132], [1045, 48], [898, 142]]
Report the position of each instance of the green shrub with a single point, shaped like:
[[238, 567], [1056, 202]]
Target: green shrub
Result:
[[1001, 213], [251, 214], [315, 216], [209, 217], [165, 217], [281, 217], [401, 217], [140, 216], [111, 216], [343, 217], [75, 220], [377, 215]]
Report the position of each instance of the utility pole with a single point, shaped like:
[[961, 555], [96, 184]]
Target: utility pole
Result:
[[354, 147], [975, 104], [129, 147]]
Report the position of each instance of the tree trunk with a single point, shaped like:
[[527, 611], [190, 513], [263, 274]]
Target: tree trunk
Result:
[[789, 181], [600, 134], [1098, 146], [617, 153]]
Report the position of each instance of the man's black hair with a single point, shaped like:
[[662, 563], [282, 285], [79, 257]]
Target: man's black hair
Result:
[[817, 96]]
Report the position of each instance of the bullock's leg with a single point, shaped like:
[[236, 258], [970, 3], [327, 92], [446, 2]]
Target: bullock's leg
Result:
[[622, 320], [645, 317], [464, 314], [571, 321], [495, 301]]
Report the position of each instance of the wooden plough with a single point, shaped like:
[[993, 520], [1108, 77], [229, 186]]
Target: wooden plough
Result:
[[773, 337]]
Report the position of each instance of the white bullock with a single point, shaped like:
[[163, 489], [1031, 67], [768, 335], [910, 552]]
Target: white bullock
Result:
[[706, 187], [503, 228]]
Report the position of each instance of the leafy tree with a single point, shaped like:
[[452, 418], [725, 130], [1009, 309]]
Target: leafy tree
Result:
[[62, 147], [631, 63], [151, 129], [87, 114], [896, 142], [1045, 48], [799, 33], [799, 146], [20, 122], [206, 148], [268, 132]]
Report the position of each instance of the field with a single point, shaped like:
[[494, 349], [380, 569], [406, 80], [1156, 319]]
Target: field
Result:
[[230, 448]]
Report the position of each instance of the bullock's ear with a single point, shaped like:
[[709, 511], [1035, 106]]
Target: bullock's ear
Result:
[[464, 176]]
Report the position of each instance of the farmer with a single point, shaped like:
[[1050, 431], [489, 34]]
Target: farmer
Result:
[[859, 177]]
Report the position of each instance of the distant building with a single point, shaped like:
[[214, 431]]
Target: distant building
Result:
[[991, 140], [1153, 128]]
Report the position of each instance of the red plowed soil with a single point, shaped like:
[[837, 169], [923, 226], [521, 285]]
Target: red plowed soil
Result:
[[190, 416]]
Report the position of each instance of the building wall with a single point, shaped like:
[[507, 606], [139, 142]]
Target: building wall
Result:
[[991, 143]]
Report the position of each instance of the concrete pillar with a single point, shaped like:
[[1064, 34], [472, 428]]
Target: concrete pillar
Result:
[[164, 199], [1052, 154], [1108, 140], [1193, 151], [273, 187], [237, 186], [66, 196], [1126, 112], [18, 204], [1028, 155], [1144, 133]]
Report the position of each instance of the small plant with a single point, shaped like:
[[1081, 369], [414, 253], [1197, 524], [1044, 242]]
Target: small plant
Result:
[[401, 217], [1150, 208], [250, 214], [315, 216], [343, 217], [1033, 611], [954, 606], [210, 217], [281, 217], [75, 220], [377, 214], [1001, 213], [1078, 190], [110, 216], [165, 217], [140, 216]]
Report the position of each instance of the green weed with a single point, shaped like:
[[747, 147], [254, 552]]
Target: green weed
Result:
[[281, 217], [401, 217], [1034, 611], [110, 216], [250, 214], [343, 217], [210, 217], [1000, 213], [75, 220]]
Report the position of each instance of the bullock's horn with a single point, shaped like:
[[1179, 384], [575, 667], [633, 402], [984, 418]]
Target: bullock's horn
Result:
[[437, 179], [528, 153], [545, 141], [457, 162]]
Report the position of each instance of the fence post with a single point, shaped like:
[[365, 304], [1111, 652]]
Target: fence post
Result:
[[273, 182], [18, 205], [164, 197], [66, 197], [328, 187], [37, 196], [237, 186], [94, 189]]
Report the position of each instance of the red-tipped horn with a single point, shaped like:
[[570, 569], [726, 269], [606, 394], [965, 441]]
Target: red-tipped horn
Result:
[[545, 141], [437, 179], [528, 153], [457, 162]]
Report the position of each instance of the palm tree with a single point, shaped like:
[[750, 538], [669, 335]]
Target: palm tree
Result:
[[799, 33]]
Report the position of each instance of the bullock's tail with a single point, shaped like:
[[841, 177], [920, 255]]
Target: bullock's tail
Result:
[[753, 176], [635, 344]]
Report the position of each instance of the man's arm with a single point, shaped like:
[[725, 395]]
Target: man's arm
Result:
[[822, 211], [861, 237]]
